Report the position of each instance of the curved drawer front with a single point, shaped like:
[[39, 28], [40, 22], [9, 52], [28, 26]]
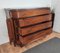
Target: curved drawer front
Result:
[[34, 20], [35, 28], [35, 36], [29, 12]]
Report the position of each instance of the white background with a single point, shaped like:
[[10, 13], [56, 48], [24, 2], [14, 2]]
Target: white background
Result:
[[24, 3], [56, 5]]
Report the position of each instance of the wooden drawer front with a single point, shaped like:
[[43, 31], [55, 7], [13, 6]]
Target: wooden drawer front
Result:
[[29, 12], [35, 28], [34, 20], [35, 36]]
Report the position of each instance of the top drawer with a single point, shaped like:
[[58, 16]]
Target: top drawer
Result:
[[23, 13]]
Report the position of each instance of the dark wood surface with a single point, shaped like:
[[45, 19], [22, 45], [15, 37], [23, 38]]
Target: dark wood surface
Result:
[[29, 25], [35, 28], [10, 29], [29, 12], [34, 20], [35, 36]]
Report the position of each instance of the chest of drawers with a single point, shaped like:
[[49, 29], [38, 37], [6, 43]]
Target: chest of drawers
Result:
[[28, 25]]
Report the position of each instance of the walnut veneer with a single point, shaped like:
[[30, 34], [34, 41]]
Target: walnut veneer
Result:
[[27, 25]]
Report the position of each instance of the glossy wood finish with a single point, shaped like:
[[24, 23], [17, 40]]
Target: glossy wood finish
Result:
[[23, 13], [35, 28], [30, 25], [34, 20], [35, 36], [10, 29]]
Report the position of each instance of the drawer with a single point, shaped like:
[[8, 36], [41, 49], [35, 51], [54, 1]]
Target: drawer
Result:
[[36, 36], [28, 30], [23, 13], [34, 20]]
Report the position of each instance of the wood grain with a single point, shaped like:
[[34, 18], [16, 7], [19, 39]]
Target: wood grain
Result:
[[23, 13], [31, 33], [7, 48], [35, 28], [34, 20]]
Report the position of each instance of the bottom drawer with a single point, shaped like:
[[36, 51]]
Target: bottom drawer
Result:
[[30, 38]]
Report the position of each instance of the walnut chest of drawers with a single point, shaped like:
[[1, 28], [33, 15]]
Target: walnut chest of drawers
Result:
[[27, 25]]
